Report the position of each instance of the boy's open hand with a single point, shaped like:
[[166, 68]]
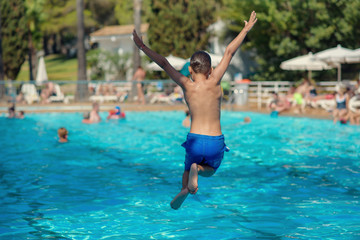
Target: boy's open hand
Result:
[[252, 21], [138, 41]]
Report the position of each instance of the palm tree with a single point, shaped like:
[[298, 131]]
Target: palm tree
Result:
[[82, 87]]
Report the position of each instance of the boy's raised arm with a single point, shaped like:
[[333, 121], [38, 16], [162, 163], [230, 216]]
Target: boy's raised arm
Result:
[[232, 47], [161, 61]]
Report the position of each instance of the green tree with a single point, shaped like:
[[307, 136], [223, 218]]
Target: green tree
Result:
[[179, 27], [103, 11], [93, 61], [286, 29], [14, 34], [124, 11], [117, 64], [59, 28]]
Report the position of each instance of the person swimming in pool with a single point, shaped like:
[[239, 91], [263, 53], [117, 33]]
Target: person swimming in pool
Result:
[[63, 135], [205, 144], [116, 114], [86, 118], [11, 111], [21, 115], [94, 114]]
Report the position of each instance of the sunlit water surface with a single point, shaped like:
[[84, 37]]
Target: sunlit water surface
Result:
[[284, 178]]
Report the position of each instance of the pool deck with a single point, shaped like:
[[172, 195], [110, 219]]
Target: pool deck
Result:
[[82, 107]]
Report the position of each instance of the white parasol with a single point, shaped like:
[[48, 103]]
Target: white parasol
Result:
[[335, 56], [306, 62], [41, 75], [353, 57]]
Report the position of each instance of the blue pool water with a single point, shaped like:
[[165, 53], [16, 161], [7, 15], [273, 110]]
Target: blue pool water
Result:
[[284, 178]]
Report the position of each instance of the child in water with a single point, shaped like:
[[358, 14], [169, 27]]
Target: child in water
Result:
[[63, 135], [205, 144]]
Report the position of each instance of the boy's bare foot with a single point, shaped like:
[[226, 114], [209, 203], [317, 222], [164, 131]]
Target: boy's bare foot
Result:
[[179, 199], [193, 179]]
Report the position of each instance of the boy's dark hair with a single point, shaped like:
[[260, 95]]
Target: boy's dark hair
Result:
[[200, 62]]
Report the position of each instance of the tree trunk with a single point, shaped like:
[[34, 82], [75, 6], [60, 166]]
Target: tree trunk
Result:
[[137, 23], [45, 44], [2, 74], [82, 87], [136, 52], [30, 56], [54, 43]]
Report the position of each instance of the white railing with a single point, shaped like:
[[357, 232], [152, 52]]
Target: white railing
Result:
[[260, 92], [257, 93]]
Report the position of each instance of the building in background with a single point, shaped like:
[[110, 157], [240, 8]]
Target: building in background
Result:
[[116, 38]]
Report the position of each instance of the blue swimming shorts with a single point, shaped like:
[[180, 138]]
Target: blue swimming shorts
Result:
[[204, 150]]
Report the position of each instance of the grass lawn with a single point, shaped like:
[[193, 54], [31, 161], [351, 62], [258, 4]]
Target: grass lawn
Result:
[[58, 67]]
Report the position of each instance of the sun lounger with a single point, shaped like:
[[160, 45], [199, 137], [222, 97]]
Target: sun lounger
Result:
[[59, 95], [327, 104], [110, 98], [30, 93], [354, 104]]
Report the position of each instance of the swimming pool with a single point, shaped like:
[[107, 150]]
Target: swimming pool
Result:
[[284, 178]]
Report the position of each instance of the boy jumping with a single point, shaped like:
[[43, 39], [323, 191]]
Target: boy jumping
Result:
[[205, 144]]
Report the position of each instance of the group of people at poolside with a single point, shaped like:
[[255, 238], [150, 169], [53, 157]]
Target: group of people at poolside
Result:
[[306, 95]]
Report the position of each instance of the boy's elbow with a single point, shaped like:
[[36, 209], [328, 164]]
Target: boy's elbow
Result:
[[229, 52]]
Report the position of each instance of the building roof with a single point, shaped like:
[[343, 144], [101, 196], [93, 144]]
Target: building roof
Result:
[[118, 30]]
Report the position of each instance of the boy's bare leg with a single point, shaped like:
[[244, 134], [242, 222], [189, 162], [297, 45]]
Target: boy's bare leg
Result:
[[189, 183], [203, 170], [179, 199], [193, 178], [182, 195]]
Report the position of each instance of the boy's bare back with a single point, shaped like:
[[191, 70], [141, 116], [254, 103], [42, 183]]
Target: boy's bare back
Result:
[[203, 97]]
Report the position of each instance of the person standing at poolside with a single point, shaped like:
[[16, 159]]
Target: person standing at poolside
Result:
[[299, 96], [94, 114], [203, 96], [139, 76], [342, 102]]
